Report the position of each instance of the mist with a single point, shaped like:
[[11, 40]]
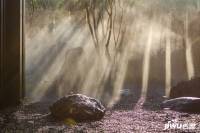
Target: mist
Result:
[[159, 47]]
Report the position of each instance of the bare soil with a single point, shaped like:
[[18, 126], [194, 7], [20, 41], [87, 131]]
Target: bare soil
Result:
[[128, 116]]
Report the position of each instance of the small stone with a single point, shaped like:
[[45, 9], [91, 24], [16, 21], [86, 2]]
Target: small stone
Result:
[[78, 107], [31, 122]]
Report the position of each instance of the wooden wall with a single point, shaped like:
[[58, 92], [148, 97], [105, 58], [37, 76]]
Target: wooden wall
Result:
[[11, 86]]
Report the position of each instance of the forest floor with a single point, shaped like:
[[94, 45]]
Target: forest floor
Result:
[[128, 116]]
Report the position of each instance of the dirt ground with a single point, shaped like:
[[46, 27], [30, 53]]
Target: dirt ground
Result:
[[127, 116]]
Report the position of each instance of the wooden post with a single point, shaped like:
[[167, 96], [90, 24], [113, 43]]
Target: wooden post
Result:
[[11, 91], [1, 48]]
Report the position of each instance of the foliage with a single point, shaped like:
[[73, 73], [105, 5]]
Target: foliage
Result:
[[96, 12], [63, 4]]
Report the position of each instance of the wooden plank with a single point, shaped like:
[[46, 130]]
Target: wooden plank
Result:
[[11, 60], [1, 49]]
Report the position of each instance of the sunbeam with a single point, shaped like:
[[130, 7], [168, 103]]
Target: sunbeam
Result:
[[146, 62], [79, 51], [168, 62], [188, 51]]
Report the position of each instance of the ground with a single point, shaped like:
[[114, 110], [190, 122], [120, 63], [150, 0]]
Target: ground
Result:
[[127, 116]]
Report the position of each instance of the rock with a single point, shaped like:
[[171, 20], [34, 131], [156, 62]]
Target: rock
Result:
[[189, 88], [183, 104], [78, 107]]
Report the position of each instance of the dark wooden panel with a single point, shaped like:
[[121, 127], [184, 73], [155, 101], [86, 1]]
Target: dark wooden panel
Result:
[[1, 48], [11, 87]]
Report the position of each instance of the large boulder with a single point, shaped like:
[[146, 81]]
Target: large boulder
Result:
[[183, 104], [78, 107], [189, 88]]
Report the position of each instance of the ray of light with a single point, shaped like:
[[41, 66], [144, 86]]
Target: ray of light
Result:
[[168, 68], [168, 62], [188, 46], [146, 63]]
